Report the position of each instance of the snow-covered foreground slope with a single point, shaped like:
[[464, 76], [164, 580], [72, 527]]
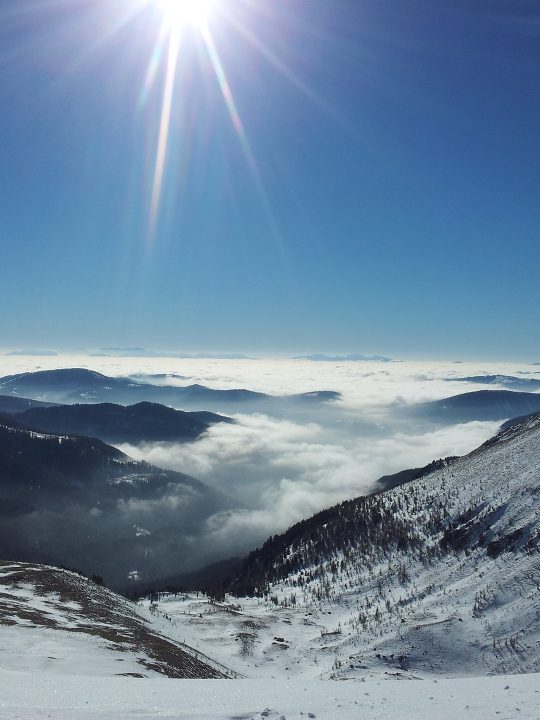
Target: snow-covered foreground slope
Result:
[[24, 697], [73, 651], [57, 623], [70, 650], [443, 577], [415, 596]]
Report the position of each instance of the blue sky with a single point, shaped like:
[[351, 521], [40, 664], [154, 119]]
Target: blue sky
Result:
[[394, 206]]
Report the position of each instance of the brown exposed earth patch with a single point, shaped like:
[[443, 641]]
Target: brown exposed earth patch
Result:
[[71, 603]]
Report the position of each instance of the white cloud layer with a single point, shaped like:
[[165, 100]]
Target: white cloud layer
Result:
[[279, 472], [280, 469]]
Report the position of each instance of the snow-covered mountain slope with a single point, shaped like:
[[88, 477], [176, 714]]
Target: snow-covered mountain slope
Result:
[[70, 650], [58, 623], [439, 575]]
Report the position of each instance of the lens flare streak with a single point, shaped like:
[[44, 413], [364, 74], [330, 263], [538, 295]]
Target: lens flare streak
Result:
[[242, 135], [229, 99], [164, 127], [174, 35], [153, 67], [281, 67]]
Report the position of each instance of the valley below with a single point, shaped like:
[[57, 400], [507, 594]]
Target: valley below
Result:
[[414, 595]]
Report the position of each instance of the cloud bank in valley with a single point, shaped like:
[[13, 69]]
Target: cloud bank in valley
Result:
[[276, 470], [280, 472]]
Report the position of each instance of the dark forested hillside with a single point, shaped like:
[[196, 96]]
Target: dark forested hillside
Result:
[[363, 526], [14, 404], [118, 424], [78, 502]]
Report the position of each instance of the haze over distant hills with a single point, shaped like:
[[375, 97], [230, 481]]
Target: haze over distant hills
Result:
[[507, 381], [76, 501], [479, 405], [144, 353], [353, 357], [15, 404], [273, 470], [79, 385], [32, 352]]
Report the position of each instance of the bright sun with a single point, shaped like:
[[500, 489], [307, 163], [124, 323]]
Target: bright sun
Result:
[[179, 14]]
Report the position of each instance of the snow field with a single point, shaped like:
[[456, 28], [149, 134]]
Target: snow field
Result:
[[34, 697]]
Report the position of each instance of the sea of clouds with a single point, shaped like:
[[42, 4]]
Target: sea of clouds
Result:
[[277, 468]]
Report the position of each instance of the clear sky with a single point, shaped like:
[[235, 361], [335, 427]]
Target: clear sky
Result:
[[339, 175]]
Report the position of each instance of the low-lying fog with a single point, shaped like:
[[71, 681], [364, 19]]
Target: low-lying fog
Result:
[[280, 469]]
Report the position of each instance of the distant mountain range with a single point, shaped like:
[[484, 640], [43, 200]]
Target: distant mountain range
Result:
[[79, 385], [142, 352], [353, 357], [32, 352], [508, 381], [143, 422], [479, 405]]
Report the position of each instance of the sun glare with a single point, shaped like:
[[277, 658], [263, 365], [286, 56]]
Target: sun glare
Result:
[[180, 14], [177, 16]]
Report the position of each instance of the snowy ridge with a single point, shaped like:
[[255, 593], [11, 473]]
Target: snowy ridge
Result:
[[440, 575], [513, 428], [13, 429]]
